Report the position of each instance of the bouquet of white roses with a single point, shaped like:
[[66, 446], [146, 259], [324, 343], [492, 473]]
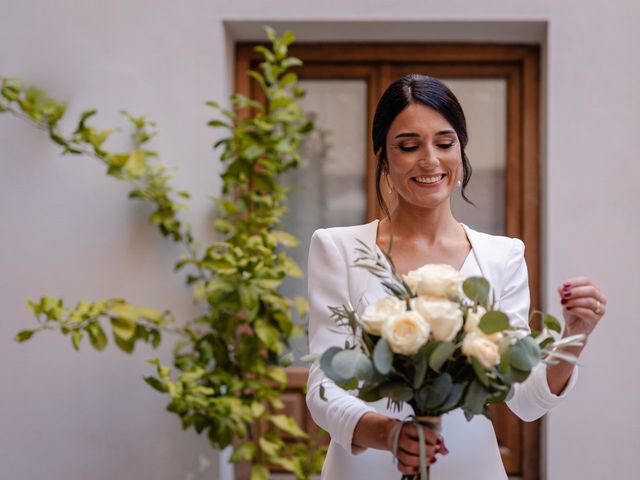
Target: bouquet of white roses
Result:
[[437, 343]]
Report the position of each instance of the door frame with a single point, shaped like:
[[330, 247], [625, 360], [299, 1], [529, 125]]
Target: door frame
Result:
[[379, 64]]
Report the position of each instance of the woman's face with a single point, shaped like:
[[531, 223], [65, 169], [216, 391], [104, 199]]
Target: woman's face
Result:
[[425, 159]]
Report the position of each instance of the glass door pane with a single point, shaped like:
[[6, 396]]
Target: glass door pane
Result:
[[484, 101], [330, 184]]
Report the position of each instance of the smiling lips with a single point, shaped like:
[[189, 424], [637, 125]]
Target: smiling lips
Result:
[[431, 180]]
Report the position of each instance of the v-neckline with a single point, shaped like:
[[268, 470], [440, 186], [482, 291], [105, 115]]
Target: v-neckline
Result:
[[464, 227]]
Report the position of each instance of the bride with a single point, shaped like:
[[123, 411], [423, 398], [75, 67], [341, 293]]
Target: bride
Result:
[[419, 137]]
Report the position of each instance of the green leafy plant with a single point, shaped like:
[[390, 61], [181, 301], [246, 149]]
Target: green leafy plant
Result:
[[227, 375]]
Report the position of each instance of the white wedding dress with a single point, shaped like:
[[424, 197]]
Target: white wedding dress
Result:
[[474, 453]]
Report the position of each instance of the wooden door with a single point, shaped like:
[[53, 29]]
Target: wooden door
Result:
[[344, 82]]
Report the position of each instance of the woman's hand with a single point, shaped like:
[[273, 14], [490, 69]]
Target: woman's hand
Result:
[[408, 453], [583, 305]]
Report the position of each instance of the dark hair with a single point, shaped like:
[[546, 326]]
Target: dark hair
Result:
[[408, 90]]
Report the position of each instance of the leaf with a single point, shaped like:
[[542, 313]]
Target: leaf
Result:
[[476, 289], [288, 37], [302, 306], [352, 364], [76, 338], [397, 391], [422, 365], [440, 355], [244, 451], [123, 327], [475, 398], [286, 360], [269, 335], [156, 384], [127, 346], [24, 335], [125, 311], [291, 62], [480, 372], [271, 33], [455, 394], [434, 395], [96, 336], [493, 321], [524, 354], [277, 374], [551, 323], [382, 357], [259, 472], [289, 425], [371, 394], [327, 367], [285, 238], [248, 298]]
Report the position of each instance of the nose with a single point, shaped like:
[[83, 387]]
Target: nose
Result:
[[428, 161]]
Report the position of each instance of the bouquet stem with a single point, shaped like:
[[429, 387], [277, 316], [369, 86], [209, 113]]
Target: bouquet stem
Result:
[[433, 424]]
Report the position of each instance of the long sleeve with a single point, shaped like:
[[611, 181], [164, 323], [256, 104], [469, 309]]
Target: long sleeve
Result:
[[328, 286], [532, 398]]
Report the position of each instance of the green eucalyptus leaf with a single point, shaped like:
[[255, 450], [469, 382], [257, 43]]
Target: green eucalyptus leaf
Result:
[[382, 357], [371, 394], [493, 321], [453, 399], [397, 391], [480, 372], [475, 398], [326, 364], [352, 364], [422, 365], [476, 289], [441, 354], [524, 354], [433, 395]]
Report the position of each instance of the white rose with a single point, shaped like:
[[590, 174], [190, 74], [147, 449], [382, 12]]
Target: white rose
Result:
[[443, 316], [377, 314], [482, 348], [473, 319], [436, 280], [406, 332]]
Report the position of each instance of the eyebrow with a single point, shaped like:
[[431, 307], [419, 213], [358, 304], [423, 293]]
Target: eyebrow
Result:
[[415, 135]]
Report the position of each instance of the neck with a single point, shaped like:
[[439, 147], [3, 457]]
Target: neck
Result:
[[430, 225]]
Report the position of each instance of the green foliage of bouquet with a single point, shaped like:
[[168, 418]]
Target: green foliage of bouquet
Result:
[[436, 342], [228, 373]]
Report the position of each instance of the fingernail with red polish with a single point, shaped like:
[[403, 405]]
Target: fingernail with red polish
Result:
[[569, 308], [563, 301], [566, 285]]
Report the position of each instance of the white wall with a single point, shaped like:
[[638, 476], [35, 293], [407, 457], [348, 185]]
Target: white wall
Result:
[[67, 229]]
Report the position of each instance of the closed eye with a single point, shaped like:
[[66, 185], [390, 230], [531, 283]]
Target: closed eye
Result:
[[408, 149], [446, 145]]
